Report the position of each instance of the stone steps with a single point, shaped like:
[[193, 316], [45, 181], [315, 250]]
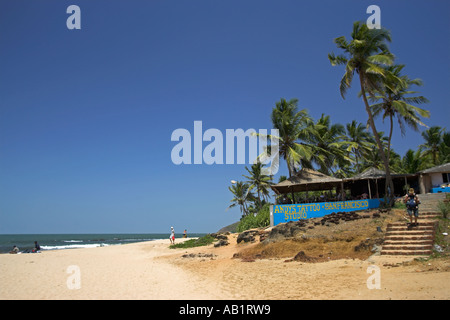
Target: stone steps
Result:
[[404, 239], [406, 252]]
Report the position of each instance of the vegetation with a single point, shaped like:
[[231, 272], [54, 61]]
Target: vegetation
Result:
[[191, 243], [242, 196], [441, 239], [444, 207], [260, 181], [260, 220]]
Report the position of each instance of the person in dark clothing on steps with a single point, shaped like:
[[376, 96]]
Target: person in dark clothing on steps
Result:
[[412, 206]]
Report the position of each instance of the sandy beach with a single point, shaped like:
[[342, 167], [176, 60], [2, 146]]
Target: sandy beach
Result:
[[150, 270]]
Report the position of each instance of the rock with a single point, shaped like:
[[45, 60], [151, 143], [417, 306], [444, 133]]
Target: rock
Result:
[[302, 257], [199, 255], [220, 236], [369, 244], [221, 243], [287, 230], [247, 236]]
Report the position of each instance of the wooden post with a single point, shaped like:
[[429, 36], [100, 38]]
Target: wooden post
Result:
[[307, 196], [376, 183], [370, 192], [292, 194], [406, 183]]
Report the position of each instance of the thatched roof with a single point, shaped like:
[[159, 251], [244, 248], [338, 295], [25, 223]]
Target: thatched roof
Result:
[[306, 180], [374, 173], [370, 173], [438, 169]]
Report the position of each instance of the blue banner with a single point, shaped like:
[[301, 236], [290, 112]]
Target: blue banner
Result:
[[440, 189], [292, 212]]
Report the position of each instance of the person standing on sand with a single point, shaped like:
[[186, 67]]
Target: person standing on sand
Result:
[[412, 206], [37, 247], [172, 235], [185, 233]]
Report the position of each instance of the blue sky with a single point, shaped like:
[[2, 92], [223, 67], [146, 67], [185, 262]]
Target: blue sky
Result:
[[86, 116]]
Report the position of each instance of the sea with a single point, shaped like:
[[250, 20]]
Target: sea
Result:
[[25, 242]]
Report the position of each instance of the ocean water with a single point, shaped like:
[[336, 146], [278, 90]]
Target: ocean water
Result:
[[25, 242]]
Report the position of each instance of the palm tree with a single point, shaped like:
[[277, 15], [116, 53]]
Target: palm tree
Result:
[[372, 157], [242, 196], [433, 139], [361, 141], [330, 144], [294, 129], [393, 101], [413, 161], [444, 148], [366, 54], [257, 179]]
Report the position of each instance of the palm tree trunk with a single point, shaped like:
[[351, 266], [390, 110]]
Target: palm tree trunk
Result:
[[290, 175], [390, 137], [389, 183], [259, 198]]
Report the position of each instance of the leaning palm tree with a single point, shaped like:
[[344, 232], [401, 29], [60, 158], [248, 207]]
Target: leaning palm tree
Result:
[[257, 179], [242, 196], [394, 100], [366, 54]]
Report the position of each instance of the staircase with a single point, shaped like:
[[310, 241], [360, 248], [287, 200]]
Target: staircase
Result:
[[402, 239]]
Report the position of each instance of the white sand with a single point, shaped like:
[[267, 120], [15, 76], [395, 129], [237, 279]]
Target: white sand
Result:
[[115, 272]]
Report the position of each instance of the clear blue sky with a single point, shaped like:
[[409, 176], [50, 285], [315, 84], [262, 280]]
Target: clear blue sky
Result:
[[86, 115]]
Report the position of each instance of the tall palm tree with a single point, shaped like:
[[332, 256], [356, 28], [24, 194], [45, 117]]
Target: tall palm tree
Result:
[[257, 179], [242, 196], [393, 100], [366, 54]]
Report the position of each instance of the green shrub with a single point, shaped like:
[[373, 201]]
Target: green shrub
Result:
[[262, 219], [444, 208], [191, 243], [400, 205]]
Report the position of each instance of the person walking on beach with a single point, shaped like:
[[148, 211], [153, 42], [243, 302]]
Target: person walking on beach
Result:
[[412, 206], [185, 233], [172, 235]]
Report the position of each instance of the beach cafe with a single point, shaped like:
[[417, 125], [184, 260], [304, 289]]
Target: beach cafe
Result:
[[363, 191]]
